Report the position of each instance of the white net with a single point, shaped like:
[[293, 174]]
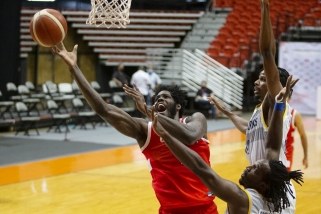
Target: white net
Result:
[[109, 13]]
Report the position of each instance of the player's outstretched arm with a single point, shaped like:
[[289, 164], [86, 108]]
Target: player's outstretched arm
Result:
[[268, 49], [239, 122], [304, 140], [222, 188], [123, 122], [275, 132]]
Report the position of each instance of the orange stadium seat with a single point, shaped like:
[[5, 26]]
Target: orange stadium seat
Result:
[[235, 60], [254, 45], [224, 60], [244, 52], [309, 20], [243, 23], [217, 44]]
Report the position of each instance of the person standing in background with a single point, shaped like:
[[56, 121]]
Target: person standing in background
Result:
[[119, 76], [155, 80], [201, 99], [141, 79]]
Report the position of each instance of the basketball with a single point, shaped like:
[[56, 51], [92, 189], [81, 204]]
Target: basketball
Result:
[[48, 27]]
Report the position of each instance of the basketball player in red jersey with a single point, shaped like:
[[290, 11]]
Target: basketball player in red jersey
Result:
[[296, 122], [178, 190], [266, 182]]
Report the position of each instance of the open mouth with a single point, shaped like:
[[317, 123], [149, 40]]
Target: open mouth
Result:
[[161, 107]]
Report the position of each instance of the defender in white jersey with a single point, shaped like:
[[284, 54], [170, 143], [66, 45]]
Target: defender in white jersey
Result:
[[256, 135], [266, 182], [270, 82]]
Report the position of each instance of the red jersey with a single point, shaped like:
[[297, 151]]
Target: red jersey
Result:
[[290, 141], [175, 185]]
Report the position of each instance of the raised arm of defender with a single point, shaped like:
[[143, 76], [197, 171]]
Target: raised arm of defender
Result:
[[239, 122], [124, 123], [274, 136], [268, 49]]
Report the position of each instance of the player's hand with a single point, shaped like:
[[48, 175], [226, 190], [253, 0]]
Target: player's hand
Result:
[[158, 128], [69, 57], [285, 92], [305, 162], [219, 105], [139, 99]]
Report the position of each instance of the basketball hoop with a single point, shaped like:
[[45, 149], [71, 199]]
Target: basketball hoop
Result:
[[109, 13]]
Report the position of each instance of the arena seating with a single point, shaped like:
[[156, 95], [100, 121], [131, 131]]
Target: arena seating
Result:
[[147, 29], [235, 42], [238, 38]]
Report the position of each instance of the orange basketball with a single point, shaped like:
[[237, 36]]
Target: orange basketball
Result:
[[48, 27]]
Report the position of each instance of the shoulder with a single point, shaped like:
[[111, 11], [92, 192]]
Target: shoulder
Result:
[[142, 134]]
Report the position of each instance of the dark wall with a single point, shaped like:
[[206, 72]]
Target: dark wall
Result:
[[9, 43]]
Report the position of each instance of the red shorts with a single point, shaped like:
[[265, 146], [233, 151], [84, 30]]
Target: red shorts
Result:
[[203, 209]]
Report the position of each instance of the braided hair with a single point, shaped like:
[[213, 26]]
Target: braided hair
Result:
[[177, 94], [278, 179]]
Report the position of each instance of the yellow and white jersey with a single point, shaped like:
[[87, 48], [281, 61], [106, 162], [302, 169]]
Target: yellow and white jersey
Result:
[[257, 204], [256, 135]]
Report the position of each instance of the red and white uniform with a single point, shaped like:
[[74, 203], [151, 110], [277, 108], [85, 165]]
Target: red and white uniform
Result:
[[289, 141], [177, 188]]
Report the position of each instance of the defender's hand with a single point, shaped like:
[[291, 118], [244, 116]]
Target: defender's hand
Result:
[[139, 99], [219, 105], [285, 92]]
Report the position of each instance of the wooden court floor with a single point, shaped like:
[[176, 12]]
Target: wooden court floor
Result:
[[124, 187]]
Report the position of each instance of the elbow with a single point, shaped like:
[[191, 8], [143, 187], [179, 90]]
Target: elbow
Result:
[[100, 110]]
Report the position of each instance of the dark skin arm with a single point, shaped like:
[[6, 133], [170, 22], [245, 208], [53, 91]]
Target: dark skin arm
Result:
[[274, 136], [194, 129], [123, 122], [268, 49], [239, 122], [304, 140], [228, 191]]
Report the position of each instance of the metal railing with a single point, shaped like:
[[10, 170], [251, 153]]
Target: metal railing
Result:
[[189, 69]]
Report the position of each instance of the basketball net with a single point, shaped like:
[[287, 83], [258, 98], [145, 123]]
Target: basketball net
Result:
[[109, 13]]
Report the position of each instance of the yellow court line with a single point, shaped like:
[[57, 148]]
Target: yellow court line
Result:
[[89, 160]]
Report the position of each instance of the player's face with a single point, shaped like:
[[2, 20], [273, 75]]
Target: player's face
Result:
[[165, 104], [253, 176], [260, 87]]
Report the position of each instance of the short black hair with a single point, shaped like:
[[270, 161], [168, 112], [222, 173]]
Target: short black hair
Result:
[[284, 75], [178, 95], [278, 179]]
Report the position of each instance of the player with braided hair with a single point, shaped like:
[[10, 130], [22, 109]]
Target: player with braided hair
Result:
[[278, 180], [266, 182]]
